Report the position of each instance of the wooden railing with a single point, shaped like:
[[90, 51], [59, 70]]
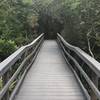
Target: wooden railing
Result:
[[14, 68], [85, 68]]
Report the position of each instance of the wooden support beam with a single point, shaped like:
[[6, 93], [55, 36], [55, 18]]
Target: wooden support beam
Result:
[[5, 79]]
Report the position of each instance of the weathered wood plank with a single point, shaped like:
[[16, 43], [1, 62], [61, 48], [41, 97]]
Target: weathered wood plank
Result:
[[50, 78]]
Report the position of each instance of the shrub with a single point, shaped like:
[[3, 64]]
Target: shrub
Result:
[[20, 41], [7, 47]]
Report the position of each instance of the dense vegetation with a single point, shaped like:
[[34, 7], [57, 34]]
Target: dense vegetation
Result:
[[17, 25], [77, 20], [79, 23]]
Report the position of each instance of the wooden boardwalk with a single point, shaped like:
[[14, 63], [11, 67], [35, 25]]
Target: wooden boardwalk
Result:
[[50, 78]]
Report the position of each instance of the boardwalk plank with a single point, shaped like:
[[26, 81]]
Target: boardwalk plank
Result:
[[50, 78]]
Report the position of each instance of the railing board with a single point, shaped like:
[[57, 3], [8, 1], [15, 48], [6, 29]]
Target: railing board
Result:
[[91, 62], [95, 65], [7, 63]]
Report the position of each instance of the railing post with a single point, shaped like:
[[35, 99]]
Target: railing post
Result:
[[5, 79], [95, 80]]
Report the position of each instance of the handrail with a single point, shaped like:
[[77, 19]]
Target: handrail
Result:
[[95, 65], [27, 54], [7, 63], [91, 62]]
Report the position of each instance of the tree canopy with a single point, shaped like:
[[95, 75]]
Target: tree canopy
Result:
[[18, 21], [80, 20], [77, 20]]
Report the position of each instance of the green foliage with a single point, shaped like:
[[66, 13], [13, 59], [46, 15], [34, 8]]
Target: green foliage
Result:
[[20, 41], [81, 22], [17, 23], [28, 1], [6, 48], [0, 83]]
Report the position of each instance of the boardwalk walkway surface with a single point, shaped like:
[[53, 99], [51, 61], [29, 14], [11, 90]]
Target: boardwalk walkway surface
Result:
[[50, 78]]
